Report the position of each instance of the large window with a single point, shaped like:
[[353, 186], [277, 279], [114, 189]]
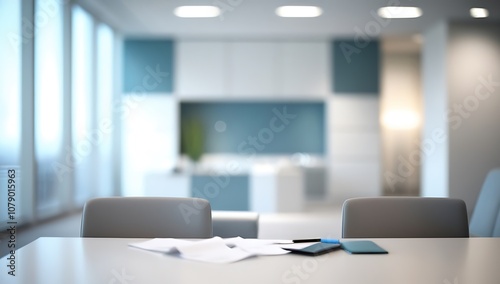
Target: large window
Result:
[[92, 106], [105, 91], [48, 26], [56, 107], [84, 137]]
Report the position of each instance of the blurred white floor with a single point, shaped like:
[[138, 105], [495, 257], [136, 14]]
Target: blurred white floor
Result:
[[64, 226], [322, 223], [319, 221]]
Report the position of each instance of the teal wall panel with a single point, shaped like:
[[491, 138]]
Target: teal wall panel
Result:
[[356, 66], [148, 66]]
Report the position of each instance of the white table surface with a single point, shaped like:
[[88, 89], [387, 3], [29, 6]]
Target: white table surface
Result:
[[92, 261]]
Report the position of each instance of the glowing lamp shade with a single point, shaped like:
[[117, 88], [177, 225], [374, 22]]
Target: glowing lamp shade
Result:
[[197, 11], [400, 119], [399, 12], [299, 11]]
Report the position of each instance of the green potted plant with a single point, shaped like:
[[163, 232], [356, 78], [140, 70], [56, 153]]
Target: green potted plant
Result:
[[192, 138]]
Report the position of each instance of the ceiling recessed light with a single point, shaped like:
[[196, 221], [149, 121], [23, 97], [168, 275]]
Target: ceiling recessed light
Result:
[[299, 11], [479, 13], [399, 12], [197, 11]]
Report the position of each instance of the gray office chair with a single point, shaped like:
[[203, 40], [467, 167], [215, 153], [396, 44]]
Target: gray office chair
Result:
[[485, 221], [228, 224], [146, 217], [404, 217]]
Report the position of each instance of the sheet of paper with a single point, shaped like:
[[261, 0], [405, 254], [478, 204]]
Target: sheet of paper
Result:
[[165, 245], [257, 246], [214, 250], [239, 241], [265, 246]]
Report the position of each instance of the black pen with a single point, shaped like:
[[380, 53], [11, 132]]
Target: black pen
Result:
[[331, 241]]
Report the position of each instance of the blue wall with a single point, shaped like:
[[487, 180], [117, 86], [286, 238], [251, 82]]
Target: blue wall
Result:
[[356, 66], [259, 128], [148, 66]]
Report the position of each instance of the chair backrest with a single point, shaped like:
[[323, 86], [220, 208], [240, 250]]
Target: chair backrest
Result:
[[404, 217], [228, 224], [485, 220], [147, 217]]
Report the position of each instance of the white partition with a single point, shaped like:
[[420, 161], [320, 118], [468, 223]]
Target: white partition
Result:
[[167, 184], [353, 146], [275, 188]]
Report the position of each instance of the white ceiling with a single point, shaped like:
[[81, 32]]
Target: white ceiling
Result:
[[256, 18]]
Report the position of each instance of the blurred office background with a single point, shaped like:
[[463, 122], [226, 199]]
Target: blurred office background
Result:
[[247, 109]]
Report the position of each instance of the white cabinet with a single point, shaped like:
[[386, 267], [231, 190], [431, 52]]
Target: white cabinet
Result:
[[275, 189], [201, 69], [304, 69], [253, 68]]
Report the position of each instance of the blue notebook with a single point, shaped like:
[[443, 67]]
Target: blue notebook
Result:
[[362, 247], [315, 249]]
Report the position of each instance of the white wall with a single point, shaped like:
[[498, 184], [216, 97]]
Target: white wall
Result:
[[466, 105], [401, 122], [434, 170], [149, 138], [474, 128]]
